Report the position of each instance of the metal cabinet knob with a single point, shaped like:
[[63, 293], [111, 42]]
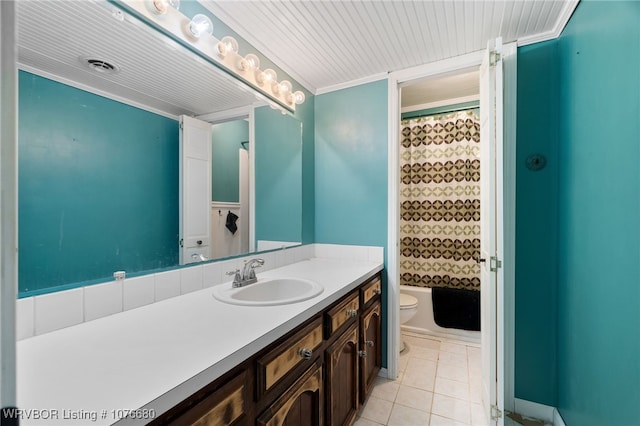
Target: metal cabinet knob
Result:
[[369, 343], [305, 354], [352, 313], [362, 354], [377, 291]]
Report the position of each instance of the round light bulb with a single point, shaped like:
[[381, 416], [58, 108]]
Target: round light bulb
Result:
[[200, 25], [298, 97], [285, 87], [160, 7], [253, 62], [270, 76], [226, 45], [230, 43], [275, 88]]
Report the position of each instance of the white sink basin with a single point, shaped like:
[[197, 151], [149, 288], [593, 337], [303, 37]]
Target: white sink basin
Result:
[[269, 292]]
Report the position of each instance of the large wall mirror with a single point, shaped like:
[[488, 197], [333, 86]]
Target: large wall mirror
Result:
[[99, 100]]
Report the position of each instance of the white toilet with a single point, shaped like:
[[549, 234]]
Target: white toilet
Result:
[[408, 308]]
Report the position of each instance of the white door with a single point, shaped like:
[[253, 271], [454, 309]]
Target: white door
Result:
[[243, 159], [491, 223], [195, 189]]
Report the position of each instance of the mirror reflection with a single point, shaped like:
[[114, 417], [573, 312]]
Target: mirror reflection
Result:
[[230, 188], [99, 101]]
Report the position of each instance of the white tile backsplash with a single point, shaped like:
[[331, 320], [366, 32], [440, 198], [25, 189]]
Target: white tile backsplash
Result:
[[350, 252], [212, 275], [138, 291], [190, 279], [269, 261], [25, 318], [167, 284], [323, 250], [48, 312], [58, 310], [101, 300], [307, 251]]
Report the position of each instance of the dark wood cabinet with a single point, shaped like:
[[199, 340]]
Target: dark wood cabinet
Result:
[[225, 406], [277, 363], [371, 344], [317, 374], [341, 359], [300, 405]]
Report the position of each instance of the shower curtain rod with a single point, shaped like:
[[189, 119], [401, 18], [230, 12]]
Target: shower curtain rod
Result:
[[440, 110]]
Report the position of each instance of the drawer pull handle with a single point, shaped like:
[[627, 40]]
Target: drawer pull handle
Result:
[[352, 313], [305, 354], [369, 343], [362, 354], [377, 291]]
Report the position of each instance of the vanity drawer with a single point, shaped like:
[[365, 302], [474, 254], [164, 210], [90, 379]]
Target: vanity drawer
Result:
[[339, 315], [370, 290], [225, 406], [279, 361]]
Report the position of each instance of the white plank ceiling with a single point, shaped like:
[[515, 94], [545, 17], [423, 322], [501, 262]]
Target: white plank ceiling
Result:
[[322, 44], [55, 36], [325, 44]]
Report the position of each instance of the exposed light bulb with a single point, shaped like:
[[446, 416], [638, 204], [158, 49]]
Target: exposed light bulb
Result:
[[270, 76], [200, 25], [285, 87], [267, 76], [226, 45], [275, 88], [298, 97], [230, 43], [160, 7], [253, 62]]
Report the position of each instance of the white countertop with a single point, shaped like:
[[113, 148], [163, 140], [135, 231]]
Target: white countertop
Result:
[[157, 355]]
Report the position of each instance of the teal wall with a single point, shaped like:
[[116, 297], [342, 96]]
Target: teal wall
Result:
[[98, 187], [351, 169], [599, 216], [351, 165], [278, 176], [226, 137], [306, 114], [536, 374]]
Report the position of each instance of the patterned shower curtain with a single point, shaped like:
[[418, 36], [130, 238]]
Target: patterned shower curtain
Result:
[[440, 201]]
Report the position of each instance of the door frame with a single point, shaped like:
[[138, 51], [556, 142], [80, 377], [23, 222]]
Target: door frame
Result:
[[243, 113], [395, 81]]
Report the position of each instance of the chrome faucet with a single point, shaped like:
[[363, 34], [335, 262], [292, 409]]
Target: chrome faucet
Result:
[[198, 257], [248, 274]]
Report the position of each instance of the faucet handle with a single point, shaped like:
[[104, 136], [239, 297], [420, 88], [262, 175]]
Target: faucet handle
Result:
[[236, 276], [255, 263]]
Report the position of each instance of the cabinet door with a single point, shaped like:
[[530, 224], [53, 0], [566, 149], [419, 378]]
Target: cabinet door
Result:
[[225, 406], [300, 405], [371, 344], [342, 378]]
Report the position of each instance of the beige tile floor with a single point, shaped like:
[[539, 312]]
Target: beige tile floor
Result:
[[439, 384]]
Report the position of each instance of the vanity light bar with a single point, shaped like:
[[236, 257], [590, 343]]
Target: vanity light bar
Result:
[[196, 33]]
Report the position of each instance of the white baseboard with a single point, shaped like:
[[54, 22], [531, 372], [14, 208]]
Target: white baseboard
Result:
[[535, 410], [538, 411], [385, 373]]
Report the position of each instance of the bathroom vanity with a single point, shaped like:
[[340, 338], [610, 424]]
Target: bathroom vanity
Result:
[[193, 359], [317, 374]]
